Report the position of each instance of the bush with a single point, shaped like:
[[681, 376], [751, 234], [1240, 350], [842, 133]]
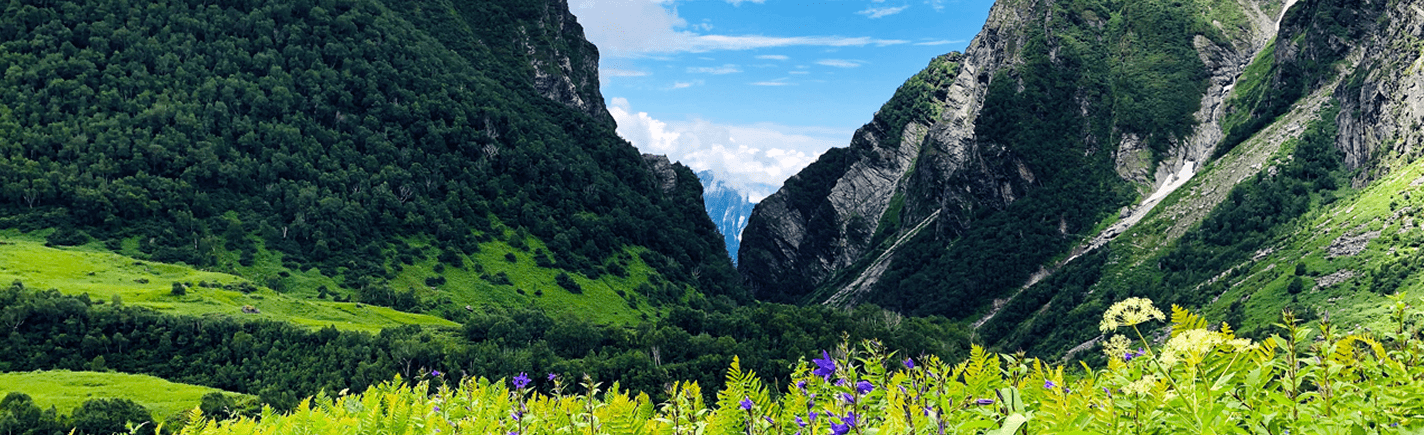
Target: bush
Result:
[[568, 283], [107, 416]]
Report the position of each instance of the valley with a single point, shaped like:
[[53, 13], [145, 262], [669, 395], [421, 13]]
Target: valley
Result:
[[410, 215]]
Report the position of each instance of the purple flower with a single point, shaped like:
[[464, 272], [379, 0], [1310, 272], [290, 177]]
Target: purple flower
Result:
[[437, 408], [436, 373], [825, 366], [849, 419], [521, 381], [840, 382], [516, 415], [552, 376], [812, 416], [839, 429], [984, 402], [768, 419], [848, 398], [1048, 385], [800, 422], [801, 385], [909, 363], [863, 387], [746, 403]]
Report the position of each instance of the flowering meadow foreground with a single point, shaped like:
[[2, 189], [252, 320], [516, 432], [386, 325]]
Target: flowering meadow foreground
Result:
[[1203, 379]]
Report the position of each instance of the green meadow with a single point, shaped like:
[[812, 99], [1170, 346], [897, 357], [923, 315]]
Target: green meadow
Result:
[[109, 277], [66, 390]]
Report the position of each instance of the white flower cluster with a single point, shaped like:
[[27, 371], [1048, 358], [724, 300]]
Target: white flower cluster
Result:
[[1129, 312]]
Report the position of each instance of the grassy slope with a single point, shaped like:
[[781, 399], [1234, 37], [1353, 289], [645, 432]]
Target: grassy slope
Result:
[[66, 390], [599, 303], [104, 275]]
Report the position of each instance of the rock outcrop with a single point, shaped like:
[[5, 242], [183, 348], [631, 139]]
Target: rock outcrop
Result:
[[834, 230]]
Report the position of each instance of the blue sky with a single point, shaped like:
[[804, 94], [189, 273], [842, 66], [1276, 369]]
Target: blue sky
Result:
[[755, 90]]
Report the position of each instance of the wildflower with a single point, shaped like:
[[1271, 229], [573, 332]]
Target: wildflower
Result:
[[800, 422], [801, 385], [864, 387], [1117, 345], [521, 381], [812, 416], [1242, 345], [436, 373], [848, 398], [437, 408], [552, 376], [1048, 384], [984, 402], [1190, 345], [825, 366], [847, 423], [840, 382], [1129, 312], [746, 403], [1142, 386], [768, 419], [909, 363], [516, 415]]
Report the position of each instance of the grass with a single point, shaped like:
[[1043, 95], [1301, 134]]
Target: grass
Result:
[[66, 390], [600, 301], [107, 276]]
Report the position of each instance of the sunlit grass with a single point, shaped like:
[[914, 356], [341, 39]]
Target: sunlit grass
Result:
[[66, 390]]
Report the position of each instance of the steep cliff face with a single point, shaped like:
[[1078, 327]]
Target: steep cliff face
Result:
[[1053, 120], [1382, 102], [538, 43]]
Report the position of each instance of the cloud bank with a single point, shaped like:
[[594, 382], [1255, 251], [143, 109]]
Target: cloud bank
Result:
[[743, 155]]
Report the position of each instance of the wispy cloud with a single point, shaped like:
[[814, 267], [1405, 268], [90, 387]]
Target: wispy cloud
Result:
[[682, 85], [630, 29], [615, 72], [798, 72], [940, 42], [882, 12], [777, 82], [724, 69], [840, 63], [773, 57]]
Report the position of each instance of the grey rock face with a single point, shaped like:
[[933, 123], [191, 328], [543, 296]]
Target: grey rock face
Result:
[[662, 171], [1382, 103], [567, 70]]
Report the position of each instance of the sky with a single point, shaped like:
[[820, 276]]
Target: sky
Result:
[[755, 90]]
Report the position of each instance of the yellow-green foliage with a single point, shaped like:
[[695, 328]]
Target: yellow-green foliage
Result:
[[105, 276], [1203, 379], [66, 390]]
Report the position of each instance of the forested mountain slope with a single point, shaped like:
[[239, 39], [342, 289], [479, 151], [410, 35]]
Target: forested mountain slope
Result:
[[1083, 152], [346, 139]]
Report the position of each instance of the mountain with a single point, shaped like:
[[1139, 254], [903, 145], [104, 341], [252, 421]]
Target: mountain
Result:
[[369, 150], [728, 206], [1220, 154]]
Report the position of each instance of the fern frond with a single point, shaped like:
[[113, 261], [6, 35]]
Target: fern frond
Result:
[[1183, 320]]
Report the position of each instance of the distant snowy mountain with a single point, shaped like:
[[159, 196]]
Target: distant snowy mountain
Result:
[[729, 206]]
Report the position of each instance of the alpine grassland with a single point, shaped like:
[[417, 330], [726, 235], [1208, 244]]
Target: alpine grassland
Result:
[[1185, 376], [66, 390]]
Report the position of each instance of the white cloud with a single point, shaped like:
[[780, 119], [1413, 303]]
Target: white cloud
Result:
[[635, 28], [798, 72], [771, 83], [840, 63], [743, 155], [940, 42], [680, 85], [615, 72], [881, 12], [773, 57], [724, 69]]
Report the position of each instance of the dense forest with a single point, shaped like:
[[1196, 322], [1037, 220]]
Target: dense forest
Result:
[[327, 131]]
